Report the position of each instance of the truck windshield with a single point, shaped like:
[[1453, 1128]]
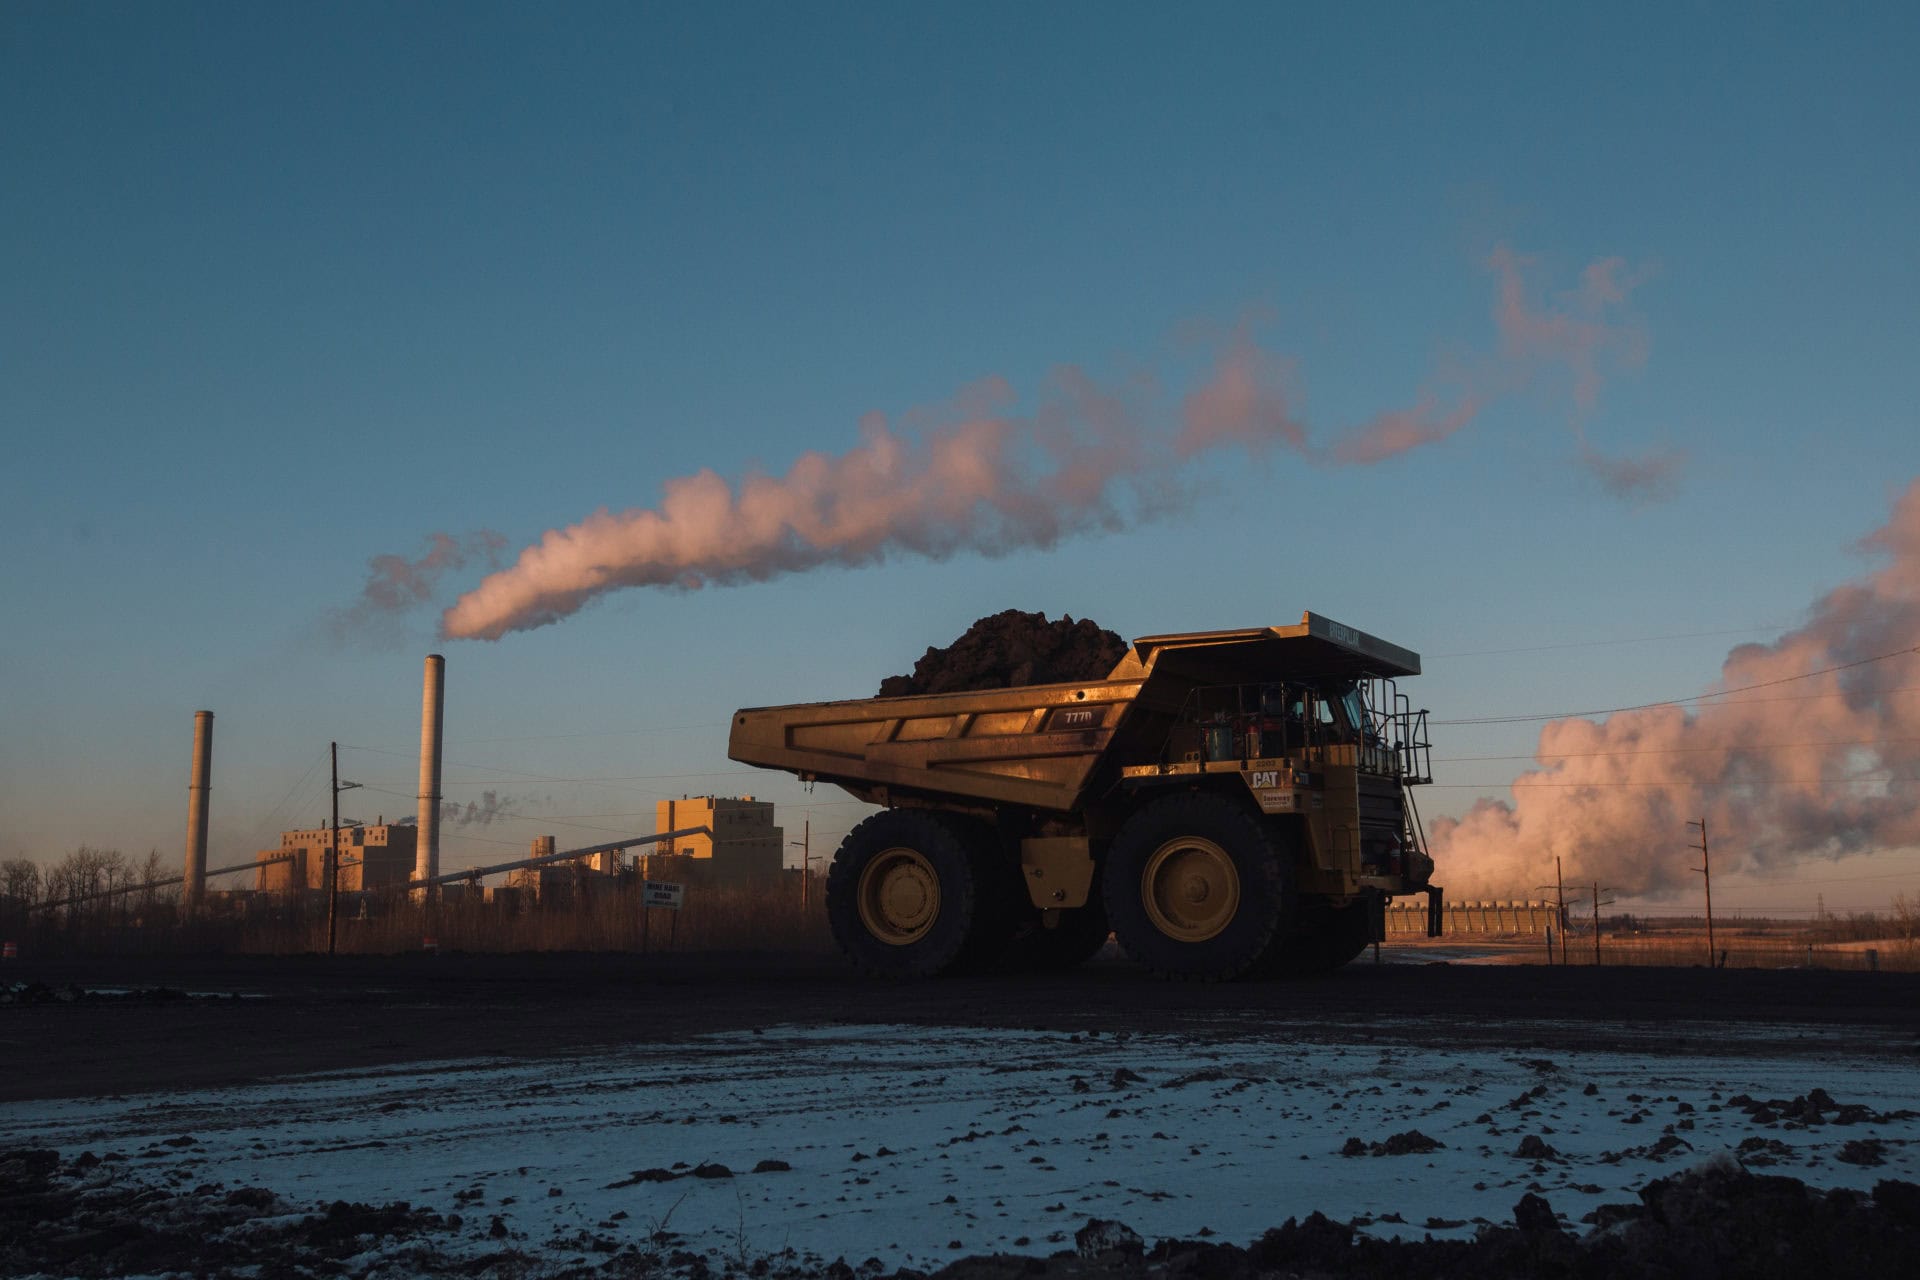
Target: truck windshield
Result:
[[1356, 708]]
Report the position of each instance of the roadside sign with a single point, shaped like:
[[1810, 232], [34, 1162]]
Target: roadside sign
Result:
[[658, 893]]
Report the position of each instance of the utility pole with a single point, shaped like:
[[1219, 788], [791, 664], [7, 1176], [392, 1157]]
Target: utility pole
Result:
[[1706, 870], [1596, 922], [333, 848], [806, 859], [1597, 904], [1560, 884]]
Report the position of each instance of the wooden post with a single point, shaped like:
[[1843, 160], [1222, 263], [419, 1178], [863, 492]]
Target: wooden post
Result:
[[1596, 922], [1560, 881], [1706, 869], [333, 852]]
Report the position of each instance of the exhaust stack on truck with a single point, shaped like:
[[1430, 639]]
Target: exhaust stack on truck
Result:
[[1229, 803]]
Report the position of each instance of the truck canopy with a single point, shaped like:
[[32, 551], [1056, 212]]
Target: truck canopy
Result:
[[1318, 648]]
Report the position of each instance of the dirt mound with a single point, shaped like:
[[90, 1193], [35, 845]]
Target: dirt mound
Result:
[[1715, 1220], [1011, 649], [86, 1218]]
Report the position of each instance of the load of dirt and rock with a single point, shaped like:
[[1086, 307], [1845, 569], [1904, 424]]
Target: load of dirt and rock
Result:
[[1009, 649]]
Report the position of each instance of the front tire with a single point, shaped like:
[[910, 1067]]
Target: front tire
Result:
[[1196, 889], [905, 898]]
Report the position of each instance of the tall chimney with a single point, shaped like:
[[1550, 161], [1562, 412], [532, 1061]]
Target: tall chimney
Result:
[[196, 872], [426, 854]]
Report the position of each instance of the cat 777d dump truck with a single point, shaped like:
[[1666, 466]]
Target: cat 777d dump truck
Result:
[[1228, 803]]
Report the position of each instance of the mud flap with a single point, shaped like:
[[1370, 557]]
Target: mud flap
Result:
[[1376, 917], [1436, 910]]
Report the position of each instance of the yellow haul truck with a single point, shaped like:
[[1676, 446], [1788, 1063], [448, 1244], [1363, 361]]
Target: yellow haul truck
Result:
[[1229, 803]]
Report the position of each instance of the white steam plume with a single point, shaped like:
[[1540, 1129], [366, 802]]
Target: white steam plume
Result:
[[1803, 768], [988, 480]]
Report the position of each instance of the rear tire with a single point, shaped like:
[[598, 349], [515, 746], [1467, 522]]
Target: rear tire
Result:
[[905, 896], [1196, 888]]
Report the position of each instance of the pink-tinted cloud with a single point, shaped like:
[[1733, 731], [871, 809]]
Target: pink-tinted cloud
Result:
[[1819, 766], [1642, 478], [1584, 333], [1399, 431], [1244, 402]]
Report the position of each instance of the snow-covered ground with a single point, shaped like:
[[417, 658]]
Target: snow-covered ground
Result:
[[916, 1145]]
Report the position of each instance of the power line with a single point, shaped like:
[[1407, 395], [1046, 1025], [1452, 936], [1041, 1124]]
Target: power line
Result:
[[1768, 883], [1517, 784], [512, 815], [1661, 751], [1734, 702], [1594, 644], [655, 793], [519, 774], [606, 780], [1674, 702], [267, 820], [636, 731]]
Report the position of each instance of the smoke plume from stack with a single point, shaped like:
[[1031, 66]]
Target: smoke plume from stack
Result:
[[988, 479], [1791, 768], [479, 812], [396, 584]]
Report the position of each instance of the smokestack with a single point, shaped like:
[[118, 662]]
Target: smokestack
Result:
[[196, 870], [426, 856]]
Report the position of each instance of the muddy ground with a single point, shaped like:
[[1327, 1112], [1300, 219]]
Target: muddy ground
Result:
[[68, 1218], [109, 1027], [245, 1018]]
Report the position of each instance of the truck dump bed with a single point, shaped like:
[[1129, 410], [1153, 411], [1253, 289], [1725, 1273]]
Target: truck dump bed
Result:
[[1044, 747]]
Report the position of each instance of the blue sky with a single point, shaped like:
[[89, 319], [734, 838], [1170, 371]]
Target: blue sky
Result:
[[285, 288]]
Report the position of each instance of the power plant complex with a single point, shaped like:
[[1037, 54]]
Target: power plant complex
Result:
[[708, 841]]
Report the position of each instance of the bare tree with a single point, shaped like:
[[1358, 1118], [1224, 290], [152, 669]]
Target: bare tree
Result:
[[20, 882], [19, 891], [82, 876], [1906, 917], [150, 870]]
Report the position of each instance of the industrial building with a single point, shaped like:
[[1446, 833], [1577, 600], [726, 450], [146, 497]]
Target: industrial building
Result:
[[739, 846], [561, 883], [1494, 918], [376, 857]]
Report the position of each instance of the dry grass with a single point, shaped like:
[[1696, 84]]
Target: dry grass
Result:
[[713, 918], [1738, 951], [771, 918], [1775, 947]]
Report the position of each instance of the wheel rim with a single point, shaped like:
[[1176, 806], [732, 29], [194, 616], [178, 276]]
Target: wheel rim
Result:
[[1191, 889], [899, 896]]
